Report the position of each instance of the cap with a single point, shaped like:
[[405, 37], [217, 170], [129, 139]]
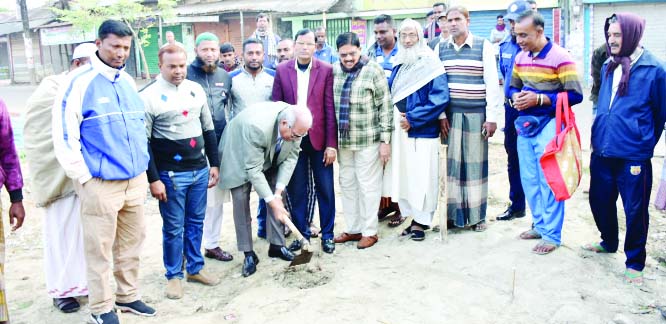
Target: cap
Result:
[[84, 50], [516, 8], [203, 37]]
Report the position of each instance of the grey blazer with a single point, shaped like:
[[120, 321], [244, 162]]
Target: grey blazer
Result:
[[248, 146]]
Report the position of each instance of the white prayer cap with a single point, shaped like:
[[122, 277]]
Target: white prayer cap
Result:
[[84, 50]]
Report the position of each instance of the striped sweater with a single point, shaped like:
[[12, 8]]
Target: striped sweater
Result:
[[464, 70], [551, 71]]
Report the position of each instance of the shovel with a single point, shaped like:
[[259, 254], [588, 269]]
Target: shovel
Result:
[[306, 249]]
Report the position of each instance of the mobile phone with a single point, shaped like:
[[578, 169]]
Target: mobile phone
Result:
[[484, 132]]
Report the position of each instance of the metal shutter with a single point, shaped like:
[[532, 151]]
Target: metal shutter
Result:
[[481, 22], [151, 50]]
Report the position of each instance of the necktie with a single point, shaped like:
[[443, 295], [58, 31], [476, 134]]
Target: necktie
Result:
[[278, 148]]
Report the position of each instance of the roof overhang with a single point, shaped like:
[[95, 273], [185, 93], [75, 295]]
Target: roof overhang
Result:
[[281, 6]]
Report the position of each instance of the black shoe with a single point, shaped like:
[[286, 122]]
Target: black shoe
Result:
[[510, 214], [106, 318], [277, 251], [67, 304], [327, 246], [137, 307], [295, 246], [250, 265]]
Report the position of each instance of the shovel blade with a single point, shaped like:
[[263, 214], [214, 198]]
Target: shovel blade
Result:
[[302, 258]]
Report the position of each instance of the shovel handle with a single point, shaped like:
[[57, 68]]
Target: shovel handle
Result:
[[292, 227]]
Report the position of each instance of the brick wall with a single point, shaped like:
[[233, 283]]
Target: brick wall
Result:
[[228, 30]]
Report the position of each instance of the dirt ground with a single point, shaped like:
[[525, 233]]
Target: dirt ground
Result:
[[489, 277]]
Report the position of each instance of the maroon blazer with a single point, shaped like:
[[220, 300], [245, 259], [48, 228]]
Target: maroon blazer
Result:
[[324, 131]]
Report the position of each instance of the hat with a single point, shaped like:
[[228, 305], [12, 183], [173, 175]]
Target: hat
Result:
[[84, 50], [516, 8], [206, 37]]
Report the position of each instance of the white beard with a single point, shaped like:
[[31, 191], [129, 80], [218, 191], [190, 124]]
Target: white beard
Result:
[[407, 56]]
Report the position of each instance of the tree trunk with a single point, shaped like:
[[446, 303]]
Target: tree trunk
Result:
[[145, 71]]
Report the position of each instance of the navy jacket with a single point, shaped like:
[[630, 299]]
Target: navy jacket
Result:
[[424, 106], [630, 127]]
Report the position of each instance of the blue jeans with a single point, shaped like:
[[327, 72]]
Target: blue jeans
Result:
[[182, 216], [632, 180], [547, 213]]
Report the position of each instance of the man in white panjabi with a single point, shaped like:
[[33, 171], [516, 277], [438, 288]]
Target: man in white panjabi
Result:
[[420, 93], [64, 262]]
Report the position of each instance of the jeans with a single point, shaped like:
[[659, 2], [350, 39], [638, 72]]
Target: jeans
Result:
[[183, 215]]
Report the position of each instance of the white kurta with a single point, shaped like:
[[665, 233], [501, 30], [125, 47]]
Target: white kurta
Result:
[[64, 262], [414, 169]]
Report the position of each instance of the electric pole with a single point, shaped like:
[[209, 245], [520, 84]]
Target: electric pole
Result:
[[27, 41]]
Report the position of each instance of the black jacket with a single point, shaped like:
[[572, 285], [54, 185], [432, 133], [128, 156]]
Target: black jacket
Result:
[[217, 86], [598, 58]]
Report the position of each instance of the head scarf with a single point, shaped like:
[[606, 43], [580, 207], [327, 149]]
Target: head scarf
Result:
[[632, 27]]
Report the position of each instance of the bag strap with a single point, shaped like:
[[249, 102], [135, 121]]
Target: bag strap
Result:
[[558, 114]]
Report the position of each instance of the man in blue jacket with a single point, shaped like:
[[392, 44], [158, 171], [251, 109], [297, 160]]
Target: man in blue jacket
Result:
[[100, 140], [631, 111]]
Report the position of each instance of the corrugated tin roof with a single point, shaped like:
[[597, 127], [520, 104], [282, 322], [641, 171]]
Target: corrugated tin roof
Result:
[[10, 24], [283, 6]]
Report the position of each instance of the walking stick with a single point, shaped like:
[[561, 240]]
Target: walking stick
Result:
[[442, 197]]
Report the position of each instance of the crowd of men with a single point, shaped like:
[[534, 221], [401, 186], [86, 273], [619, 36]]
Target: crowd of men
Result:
[[208, 132]]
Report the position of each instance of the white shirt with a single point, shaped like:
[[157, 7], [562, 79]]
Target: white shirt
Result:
[[617, 74], [494, 96], [303, 81]]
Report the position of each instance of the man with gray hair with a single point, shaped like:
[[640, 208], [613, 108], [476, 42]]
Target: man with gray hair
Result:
[[260, 149], [420, 93], [64, 263]]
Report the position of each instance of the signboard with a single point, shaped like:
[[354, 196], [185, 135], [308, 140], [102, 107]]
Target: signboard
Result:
[[64, 35], [359, 27], [471, 5]]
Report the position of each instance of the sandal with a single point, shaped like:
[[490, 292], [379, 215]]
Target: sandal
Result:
[[633, 277], [594, 247], [66, 305], [480, 226], [396, 220], [408, 230], [417, 235], [530, 234], [548, 247]]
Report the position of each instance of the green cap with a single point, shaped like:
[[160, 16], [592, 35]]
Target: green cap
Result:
[[206, 37]]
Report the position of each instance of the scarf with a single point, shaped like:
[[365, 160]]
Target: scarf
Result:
[[632, 27], [271, 49], [343, 120], [500, 27]]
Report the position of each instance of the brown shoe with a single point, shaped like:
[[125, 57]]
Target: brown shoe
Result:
[[218, 254], [346, 237], [367, 241], [203, 278], [174, 288]]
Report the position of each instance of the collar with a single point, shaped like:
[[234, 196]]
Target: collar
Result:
[[636, 55], [325, 47], [164, 83], [299, 70], [380, 51], [468, 41], [107, 71], [544, 51], [250, 75]]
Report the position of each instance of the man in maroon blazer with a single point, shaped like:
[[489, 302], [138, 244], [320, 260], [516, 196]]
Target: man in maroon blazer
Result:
[[306, 81]]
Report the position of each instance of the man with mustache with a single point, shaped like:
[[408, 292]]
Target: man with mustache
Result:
[[631, 111], [178, 123], [541, 71], [420, 93], [216, 83], [365, 123], [285, 50], [475, 105]]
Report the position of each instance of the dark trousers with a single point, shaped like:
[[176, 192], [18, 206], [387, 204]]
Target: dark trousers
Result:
[[298, 191], [632, 180], [516, 194]]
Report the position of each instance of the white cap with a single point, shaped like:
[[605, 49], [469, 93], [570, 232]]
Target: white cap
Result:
[[84, 50]]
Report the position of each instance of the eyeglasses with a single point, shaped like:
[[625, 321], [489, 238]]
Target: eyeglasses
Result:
[[294, 135], [410, 35]]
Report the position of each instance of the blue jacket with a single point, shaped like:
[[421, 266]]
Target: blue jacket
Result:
[[98, 125], [508, 49], [424, 106], [631, 127]]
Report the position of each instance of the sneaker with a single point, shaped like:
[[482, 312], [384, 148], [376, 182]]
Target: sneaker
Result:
[[174, 288], [106, 318], [203, 278], [137, 307]]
